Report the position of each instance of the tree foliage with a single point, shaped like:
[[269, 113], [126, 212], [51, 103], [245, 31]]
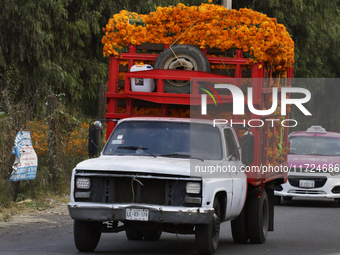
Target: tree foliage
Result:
[[56, 46], [315, 29]]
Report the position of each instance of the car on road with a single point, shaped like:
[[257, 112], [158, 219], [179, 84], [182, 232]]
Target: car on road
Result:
[[313, 163]]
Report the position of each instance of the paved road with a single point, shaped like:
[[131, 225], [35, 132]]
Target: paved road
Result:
[[301, 227]]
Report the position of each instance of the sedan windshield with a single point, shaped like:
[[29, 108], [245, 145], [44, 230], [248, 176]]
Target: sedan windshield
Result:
[[315, 145], [165, 139]]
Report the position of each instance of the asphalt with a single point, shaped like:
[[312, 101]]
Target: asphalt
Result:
[[301, 227]]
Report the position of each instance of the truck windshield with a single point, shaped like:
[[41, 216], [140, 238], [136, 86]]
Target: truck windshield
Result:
[[167, 139], [315, 145]]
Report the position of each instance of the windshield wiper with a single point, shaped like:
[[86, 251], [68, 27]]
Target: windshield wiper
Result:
[[177, 155], [135, 148]]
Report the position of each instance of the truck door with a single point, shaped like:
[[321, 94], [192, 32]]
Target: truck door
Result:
[[238, 177]]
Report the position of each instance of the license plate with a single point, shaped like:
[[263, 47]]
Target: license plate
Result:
[[307, 183], [137, 214]]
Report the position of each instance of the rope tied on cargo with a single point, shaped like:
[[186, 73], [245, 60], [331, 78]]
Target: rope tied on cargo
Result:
[[224, 65], [178, 39], [133, 191]]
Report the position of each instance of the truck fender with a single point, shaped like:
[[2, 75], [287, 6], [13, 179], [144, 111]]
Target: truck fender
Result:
[[216, 188]]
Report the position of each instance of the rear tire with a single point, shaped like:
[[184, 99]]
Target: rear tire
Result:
[[186, 57], [258, 217], [86, 235], [239, 228], [207, 235], [134, 234]]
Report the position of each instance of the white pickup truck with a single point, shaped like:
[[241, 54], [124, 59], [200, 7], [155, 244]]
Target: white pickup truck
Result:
[[171, 175]]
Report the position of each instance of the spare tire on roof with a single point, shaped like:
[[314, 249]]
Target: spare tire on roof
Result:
[[181, 57]]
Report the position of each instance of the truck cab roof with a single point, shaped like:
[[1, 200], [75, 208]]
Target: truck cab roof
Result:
[[173, 119]]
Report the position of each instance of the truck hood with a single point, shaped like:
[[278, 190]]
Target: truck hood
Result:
[[305, 160], [141, 164]]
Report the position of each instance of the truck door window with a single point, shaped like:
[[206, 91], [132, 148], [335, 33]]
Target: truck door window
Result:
[[231, 144], [205, 142]]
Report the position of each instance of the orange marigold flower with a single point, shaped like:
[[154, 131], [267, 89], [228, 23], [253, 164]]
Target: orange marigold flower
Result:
[[206, 25]]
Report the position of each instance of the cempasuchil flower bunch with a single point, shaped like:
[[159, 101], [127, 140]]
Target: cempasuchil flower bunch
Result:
[[260, 37]]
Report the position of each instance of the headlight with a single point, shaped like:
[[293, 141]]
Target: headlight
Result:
[[83, 183], [193, 188]]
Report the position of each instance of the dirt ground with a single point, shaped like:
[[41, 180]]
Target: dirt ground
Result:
[[26, 216]]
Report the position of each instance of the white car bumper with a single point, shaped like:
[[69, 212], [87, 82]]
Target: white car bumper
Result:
[[325, 187]]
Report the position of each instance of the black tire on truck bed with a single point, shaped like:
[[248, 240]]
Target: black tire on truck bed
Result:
[[181, 57]]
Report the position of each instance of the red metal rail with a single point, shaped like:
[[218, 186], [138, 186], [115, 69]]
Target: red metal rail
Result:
[[261, 95]]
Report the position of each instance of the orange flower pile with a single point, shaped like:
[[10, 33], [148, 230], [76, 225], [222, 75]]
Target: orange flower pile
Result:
[[206, 25], [76, 145]]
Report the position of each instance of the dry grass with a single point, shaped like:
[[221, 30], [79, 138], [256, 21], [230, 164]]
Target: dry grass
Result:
[[41, 204]]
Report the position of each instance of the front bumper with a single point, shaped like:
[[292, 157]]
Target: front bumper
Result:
[[321, 192], [304, 193], [161, 214]]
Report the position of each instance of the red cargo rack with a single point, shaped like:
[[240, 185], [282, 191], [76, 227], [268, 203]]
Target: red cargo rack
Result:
[[261, 94]]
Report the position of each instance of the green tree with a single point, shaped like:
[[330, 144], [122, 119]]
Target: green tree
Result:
[[315, 28], [56, 46]]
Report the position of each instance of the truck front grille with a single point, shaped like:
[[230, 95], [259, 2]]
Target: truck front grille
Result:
[[110, 188], [143, 191]]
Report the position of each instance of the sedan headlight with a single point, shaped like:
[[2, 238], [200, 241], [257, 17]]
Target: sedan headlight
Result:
[[193, 188], [83, 183]]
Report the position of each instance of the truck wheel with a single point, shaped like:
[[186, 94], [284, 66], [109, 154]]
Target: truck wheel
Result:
[[239, 228], [134, 234], [277, 200], [186, 57], [152, 234], [86, 235], [207, 235], [258, 217]]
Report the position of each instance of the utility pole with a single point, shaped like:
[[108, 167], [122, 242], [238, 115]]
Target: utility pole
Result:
[[227, 4]]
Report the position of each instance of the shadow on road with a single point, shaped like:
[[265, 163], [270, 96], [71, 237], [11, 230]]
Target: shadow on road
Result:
[[310, 202]]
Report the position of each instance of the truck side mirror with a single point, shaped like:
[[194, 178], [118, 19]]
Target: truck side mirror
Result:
[[247, 142], [93, 141]]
